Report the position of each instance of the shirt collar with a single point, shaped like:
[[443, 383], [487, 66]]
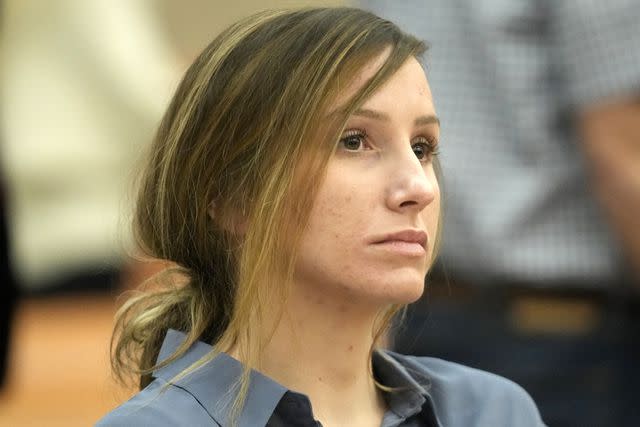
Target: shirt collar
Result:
[[410, 385], [213, 384]]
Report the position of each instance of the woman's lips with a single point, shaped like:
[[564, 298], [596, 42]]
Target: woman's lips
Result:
[[410, 242]]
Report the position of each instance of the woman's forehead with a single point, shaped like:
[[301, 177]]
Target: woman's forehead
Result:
[[361, 78], [411, 73]]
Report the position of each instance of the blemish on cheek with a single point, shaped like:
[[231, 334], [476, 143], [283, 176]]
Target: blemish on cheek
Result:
[[351, 348], [320, 379]]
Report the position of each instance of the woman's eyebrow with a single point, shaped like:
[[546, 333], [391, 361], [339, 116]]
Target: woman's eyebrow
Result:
[[427, 120], [379, 115]]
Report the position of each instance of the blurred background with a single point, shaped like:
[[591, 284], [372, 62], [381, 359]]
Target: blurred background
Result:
[[84, 84], [542, 226]]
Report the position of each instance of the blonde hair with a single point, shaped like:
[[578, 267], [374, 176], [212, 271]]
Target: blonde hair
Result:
[[236, 140]]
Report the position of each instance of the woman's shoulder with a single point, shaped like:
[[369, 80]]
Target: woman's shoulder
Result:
[[203, 396], [159, 404], [462, 395]]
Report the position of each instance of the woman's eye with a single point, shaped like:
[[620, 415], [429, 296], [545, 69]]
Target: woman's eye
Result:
[[353, 140], [425, 149]]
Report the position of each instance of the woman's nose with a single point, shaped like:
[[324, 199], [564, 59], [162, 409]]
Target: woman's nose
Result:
[[412, 185]]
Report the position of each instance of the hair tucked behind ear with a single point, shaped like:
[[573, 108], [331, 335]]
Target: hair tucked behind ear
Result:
[[248, 131]]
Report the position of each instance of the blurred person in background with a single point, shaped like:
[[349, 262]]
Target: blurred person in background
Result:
[[83, 85], [539, 279], [9, 293], [9, 290], [293, 182]]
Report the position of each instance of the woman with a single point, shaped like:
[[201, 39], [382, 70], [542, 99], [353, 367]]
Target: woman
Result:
[[293, 181]]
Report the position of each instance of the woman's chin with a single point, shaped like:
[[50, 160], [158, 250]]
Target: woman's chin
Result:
[[409, 295], [400, 292]]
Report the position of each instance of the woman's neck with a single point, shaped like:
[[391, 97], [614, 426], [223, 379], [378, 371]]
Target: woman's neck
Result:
[[322, 349]]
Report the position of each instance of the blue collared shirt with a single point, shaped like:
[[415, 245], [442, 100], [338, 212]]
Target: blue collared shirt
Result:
[[432, 392]]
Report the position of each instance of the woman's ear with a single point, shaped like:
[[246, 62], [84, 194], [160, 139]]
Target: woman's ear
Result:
[[236, 224], [211, 210]]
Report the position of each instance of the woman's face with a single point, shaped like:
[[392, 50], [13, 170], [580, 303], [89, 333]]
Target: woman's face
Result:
[[373, 224]]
